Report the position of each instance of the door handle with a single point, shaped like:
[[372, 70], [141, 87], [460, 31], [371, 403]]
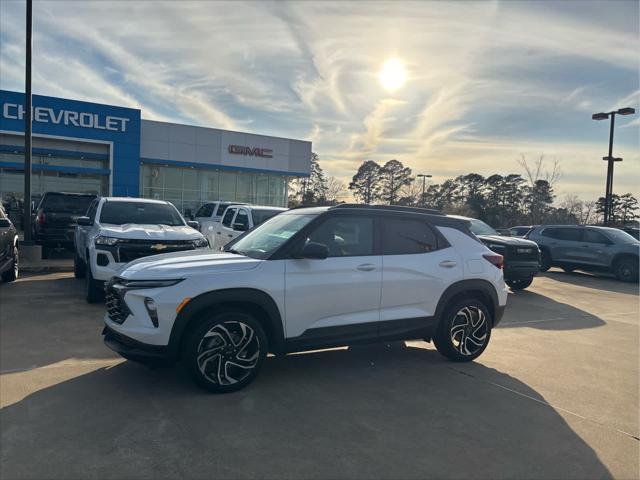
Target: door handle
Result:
[[366, 267], [448, 263]]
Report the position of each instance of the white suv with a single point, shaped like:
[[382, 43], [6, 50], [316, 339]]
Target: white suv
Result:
[[119, 230], [306, 279], [238, 219]]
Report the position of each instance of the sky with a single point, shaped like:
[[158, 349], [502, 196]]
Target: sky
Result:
[[485, 82]]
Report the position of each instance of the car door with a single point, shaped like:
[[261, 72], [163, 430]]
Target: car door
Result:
[[239, 225], [416, 269], [595, 248], [568, 244], [337, 297], [220, 227]]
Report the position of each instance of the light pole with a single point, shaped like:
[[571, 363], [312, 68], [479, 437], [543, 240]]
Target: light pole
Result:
[[610, 158], [424, 183], [26, 222]]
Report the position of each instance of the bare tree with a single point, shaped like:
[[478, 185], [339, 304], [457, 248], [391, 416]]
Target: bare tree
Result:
[[537, 170], [335, 191]]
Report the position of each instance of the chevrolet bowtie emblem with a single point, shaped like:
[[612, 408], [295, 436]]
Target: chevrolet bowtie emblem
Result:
[[158, 246]]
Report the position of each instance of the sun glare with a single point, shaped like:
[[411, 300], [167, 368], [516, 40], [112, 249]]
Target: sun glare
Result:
[[393, 75]]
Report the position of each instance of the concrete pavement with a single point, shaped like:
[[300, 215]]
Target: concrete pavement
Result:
[[554, 396]]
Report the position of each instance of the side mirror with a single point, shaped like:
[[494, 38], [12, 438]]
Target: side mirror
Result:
[[84, 221], [193, 224], [240, 227], [4, 223], [314, 251]]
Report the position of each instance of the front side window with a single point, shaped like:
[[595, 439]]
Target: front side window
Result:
[[120, 213], [93, 208], [591, 236], [568, 234], [228, 216], [405, 237], [222, 208], [242, 218], [265, 239], [345, 236]]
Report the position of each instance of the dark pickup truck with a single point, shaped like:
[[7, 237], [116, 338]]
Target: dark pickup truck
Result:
[[56, 217], [521, 257]]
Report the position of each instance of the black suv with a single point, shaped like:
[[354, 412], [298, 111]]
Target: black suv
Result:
[[56, 218], [8, 248], [521, 257]]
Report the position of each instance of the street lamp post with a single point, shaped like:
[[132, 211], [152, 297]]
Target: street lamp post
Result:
[[424, 183], [610, 158], [26, 215]]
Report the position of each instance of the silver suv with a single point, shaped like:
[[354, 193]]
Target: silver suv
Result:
[[588, 248]]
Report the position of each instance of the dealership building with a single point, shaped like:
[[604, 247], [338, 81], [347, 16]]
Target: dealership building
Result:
[[109, 150]]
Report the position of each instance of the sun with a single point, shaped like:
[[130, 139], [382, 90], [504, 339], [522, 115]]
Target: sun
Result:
[[393, 75]]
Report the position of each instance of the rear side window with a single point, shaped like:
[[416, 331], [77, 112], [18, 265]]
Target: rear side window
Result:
[[567, 234], [228, 216], [405, 237], [67, 203], [205, 210]]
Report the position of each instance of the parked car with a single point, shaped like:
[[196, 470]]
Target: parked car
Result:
[[9, 257], [521, 257], [211, 213], [339, 275], [588, 248], [236, 220], [55, 219], [116, 231], [521, 230]]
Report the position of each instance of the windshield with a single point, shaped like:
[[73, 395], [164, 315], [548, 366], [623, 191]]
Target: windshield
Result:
[[478, 227], [67, 203], [260, 216], [120, 213], [618, 236], [265, 239]]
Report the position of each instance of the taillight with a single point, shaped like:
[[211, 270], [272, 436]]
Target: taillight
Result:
[[42, 218], [495, 258]]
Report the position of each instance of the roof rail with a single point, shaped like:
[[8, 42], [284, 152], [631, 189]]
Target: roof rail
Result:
[[393, 208]]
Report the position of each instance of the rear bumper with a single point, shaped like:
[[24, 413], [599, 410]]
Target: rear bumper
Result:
[[56, 236], [519, 270], [134, 350]]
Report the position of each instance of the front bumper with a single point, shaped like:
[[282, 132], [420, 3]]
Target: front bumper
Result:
[[133, 349], [520, 270]]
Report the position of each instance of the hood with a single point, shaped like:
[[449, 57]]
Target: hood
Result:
[[149, 232], [507, 241], [184, 264]]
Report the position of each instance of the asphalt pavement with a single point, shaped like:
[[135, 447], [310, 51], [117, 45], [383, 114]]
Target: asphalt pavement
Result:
[[555, 395]]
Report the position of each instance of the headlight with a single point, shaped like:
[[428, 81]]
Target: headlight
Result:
[[201, 243], [101, 240], [131, 284]]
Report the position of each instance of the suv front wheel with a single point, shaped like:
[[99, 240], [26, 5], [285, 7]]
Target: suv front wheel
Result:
[[464, 331], [226, 352], [626, 269]]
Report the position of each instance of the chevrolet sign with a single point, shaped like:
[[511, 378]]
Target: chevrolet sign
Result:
[[252, 152]]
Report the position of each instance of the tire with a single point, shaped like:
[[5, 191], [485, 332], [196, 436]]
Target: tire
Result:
[[94, 288], [79, 267], [545, 261], [11, 275], [456, 338], [217, 360], [519, 284], [626, 269]]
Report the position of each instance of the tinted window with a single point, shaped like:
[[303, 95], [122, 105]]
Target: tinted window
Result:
[[91, 213], [228, 216], [242, 218], [519, 231], [478, 227], [592, 236], [345, 236], [260, 216], [400, 236], [205, 210], [619, 236], [67, 203], [567, 234], [222, 208], [120, 213]]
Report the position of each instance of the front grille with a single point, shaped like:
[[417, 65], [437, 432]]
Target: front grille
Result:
[[116, 306], [134, 249]]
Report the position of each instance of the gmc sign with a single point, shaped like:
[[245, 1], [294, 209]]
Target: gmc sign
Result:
[[252, 152]]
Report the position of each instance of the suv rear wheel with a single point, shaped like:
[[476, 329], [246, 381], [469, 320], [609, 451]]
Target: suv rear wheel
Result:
[[464, 331], [626, 269], [519, 284], [225, 352]]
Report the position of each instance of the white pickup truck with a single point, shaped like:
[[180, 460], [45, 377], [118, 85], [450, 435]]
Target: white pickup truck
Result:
[[211, 213], [236, 220]]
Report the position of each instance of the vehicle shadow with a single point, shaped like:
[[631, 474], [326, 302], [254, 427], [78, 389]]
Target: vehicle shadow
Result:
[[598, 281], [384, 411], [526, 308]]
